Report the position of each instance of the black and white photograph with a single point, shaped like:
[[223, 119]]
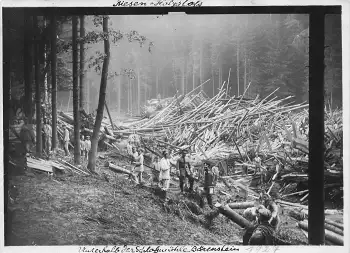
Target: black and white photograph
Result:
[[175, 124]]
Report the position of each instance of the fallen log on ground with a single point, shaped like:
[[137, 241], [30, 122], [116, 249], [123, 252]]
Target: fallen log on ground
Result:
[[241, 205], [118, 169], [329, 235], [235, 217]]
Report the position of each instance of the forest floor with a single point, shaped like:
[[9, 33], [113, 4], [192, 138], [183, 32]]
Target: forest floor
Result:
[[109, 209]]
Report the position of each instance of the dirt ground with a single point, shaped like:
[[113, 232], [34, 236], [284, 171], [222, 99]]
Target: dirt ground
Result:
[[71, 209]]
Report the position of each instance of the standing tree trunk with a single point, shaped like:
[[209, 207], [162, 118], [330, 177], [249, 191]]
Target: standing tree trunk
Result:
[[119, 93], [53, 80], [193, 75], [46, 96], [76, 92], [102, 97], [157, 82], [245, 68], [28, 67], [238, 66], [200, 65], [83, 88], [37, 88], [212, 76], [138, 90], [183, 77]]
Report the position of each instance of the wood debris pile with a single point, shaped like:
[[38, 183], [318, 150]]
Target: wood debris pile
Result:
[[227, 129]]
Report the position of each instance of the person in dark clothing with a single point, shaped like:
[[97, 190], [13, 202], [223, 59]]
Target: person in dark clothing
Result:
[[185, 172], [27, 137], [262, 233], [209, 183]]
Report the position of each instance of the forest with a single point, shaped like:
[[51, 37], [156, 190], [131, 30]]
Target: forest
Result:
[[262, 51]]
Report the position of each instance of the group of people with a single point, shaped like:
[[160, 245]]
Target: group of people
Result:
[[85, 146], [85, 143]]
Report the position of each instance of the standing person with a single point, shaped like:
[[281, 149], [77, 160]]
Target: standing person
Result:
[[87, 146], [82, 146], [164, 175], [209, 183], [48, 135], [156, 170], [185, 172], [66, 139], [139, 166], [27, 137]]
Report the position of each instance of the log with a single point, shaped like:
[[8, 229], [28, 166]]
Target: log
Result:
[[73, 167], [118, 169], [235, 217], [241, 205], [68, 119], [329, 235], [334, 229], [335, 224]]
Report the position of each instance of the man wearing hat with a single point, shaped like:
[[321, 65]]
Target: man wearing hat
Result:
[[185, 171]]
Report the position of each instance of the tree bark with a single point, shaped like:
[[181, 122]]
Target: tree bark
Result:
[[53, 80], [76, 112], [37, 88], [46, 94], [28, 67], [83, 88], [102, 97]]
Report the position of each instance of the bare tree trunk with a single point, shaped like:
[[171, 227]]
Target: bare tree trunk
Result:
[[46, 98], [37, 89], [83, 89], [212, 76], [193, 76], [76, 92], [238, 66], [245, 68], [53, 80], [119, 93], [183, 77], [200, 65], [28, 67], [102, 97], [129, 85], [157, 85], [138, 91]]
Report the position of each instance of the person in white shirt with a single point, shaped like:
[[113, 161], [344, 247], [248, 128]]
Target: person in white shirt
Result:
[[164, 175], [66, 139], [87, 146], [139, 166]]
